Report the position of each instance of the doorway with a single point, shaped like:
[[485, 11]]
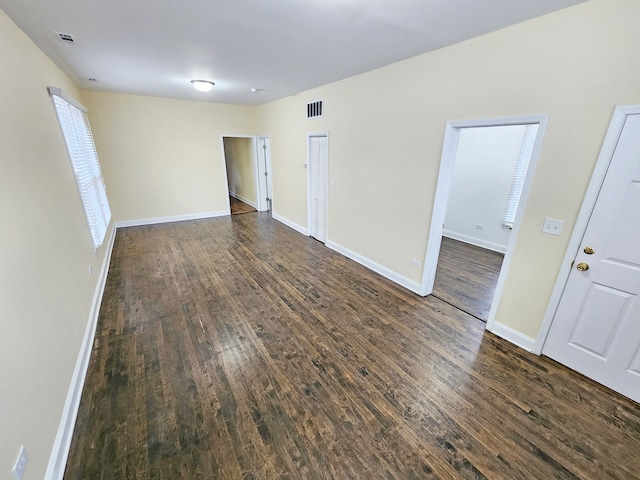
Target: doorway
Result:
[[317, 184], [475, 227], [240, 162], [489, 166]]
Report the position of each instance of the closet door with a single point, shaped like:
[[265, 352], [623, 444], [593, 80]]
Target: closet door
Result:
[[318, 180]]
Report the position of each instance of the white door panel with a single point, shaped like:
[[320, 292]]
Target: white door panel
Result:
[[596, 329], [319, 174], [589, 332]]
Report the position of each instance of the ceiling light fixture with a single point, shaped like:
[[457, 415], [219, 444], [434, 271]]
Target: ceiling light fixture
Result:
[[202, 85], [256, 90]]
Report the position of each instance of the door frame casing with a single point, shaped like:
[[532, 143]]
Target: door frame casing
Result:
[[588, 204], [263, 204], [449, 151], [308, 167]]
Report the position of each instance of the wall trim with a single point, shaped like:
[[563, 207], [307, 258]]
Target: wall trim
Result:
[[174, 218], [243, 199], [513, 336], [376, 267], [291, 224], [62, 443], [478, 242]]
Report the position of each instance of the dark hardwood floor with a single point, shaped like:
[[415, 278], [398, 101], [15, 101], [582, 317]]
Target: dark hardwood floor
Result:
[[238, 206], [467, 277], [236, 348]]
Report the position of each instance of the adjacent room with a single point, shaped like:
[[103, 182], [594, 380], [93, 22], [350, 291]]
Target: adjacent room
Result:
[[384, 307], [490, 167], [239, 159]]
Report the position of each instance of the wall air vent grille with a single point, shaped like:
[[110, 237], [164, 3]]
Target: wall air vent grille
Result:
[[65, 37], [314, 109]]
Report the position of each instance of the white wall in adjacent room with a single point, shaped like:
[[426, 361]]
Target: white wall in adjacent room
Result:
[[483, 171]]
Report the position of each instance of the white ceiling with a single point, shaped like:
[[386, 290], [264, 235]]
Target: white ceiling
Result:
[[154, 47]]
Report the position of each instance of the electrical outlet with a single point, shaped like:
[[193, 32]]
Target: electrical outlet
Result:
[[21, 464], [415, 263], [479, 227]]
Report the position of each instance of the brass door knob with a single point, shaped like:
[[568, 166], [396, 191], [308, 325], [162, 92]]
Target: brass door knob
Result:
[[583, 267], [589, 250]]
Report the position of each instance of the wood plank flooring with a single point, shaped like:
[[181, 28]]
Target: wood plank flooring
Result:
[[236, 348], [238, 206], [467, 277]]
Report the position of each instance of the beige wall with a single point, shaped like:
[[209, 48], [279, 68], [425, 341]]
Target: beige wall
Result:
[[45, 252], [241, 172], [283, 121], [163, 157], [387, 129]]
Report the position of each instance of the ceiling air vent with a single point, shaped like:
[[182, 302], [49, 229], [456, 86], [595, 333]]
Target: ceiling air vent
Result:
[[314, 109], [65, 37]]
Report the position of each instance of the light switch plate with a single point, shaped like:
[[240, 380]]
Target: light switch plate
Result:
[[552, 226]]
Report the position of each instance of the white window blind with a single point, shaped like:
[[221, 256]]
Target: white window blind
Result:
[[520, 174], [84, 160]]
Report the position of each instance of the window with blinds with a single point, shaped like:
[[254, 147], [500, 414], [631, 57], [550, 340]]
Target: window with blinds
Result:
[[519, 176], [84, 161]]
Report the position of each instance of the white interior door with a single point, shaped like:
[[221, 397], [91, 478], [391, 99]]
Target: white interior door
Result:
[[263, 154], [318, 180], [596, 328]]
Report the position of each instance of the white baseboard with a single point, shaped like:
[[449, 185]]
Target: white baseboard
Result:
[[290, 224], [513, 336], [175, 218], [376, 267], [478, 242], [62, 442], [245, 200]]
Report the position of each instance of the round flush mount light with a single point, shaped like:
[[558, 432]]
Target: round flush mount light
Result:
[[202, 85]]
